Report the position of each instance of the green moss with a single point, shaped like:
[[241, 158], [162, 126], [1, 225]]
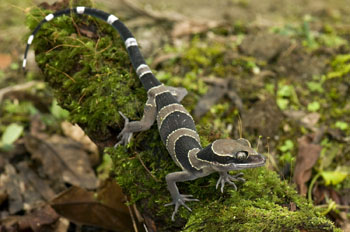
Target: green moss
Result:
[[92, 78], [263, 202], [341, 66]]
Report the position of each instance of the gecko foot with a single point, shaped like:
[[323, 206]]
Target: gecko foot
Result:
[[226, 178], [124, 135], [178, 201]]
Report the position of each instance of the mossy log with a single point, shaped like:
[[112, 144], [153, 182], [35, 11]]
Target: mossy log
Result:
[[86, 65]]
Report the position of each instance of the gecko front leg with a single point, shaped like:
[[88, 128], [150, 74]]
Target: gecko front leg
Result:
[[148, 118], [227, 178]]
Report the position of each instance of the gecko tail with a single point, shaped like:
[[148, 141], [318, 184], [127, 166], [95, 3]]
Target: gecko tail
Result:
[[138, 62]]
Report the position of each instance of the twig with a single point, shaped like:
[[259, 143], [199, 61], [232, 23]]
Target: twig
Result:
[[160, 16], [149, 172], [62, 45], [131, 215], [57, 70], [17, 88], [336, 206]]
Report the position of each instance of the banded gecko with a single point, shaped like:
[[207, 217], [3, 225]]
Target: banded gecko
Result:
[[176, 126]]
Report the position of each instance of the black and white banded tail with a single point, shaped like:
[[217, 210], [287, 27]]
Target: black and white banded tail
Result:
[[138, 62]]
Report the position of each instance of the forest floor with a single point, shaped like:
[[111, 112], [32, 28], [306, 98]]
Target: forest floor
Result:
[[277, 71]]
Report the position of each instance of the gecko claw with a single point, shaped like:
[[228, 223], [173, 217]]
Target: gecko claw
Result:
[[226, 178], [124, 135], [180, 200]]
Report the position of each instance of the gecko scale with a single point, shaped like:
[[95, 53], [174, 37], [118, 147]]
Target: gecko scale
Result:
[[176, 126]]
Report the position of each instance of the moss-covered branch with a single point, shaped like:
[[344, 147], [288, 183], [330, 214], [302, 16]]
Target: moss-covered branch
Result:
[[87, 67]]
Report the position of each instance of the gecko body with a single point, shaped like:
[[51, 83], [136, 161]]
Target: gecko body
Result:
[[175, 124]]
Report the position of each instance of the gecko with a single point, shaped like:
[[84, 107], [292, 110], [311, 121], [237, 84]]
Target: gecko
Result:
[[175, 124]]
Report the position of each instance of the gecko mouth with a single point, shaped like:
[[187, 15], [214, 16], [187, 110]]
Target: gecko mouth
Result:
[[253, 161]]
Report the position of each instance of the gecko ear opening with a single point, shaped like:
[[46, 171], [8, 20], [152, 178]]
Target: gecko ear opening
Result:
[[244, 142]]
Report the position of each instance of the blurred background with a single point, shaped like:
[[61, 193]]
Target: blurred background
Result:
[[277, 71]]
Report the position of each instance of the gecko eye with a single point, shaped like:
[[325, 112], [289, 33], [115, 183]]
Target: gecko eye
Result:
[[241, 155]]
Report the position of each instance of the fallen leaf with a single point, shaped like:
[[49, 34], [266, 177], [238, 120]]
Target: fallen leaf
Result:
[[23, 189], [77, 134], [164, 57], [310, 119], [189, 27], [5, 61], [62, 160], [80, 206], [62, 225], [11, 134], [112, 195], [321, 194], [41, 219], [333, 177], [214, 94], [12, 183], [308, 154], [39, 184]]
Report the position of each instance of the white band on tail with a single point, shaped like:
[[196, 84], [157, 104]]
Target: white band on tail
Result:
[[80, 9], [130, 42], [30, 39], [111, 19], [49, 17], [142, 70]]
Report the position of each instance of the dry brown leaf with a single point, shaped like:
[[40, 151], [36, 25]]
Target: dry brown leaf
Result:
[[41, 219], [321, 193], [80, 206], [215, 93], [310, 119], [19, 87], [40, 185], [62, 159], [164, 57], [23, 189], [5, 61], [62, 225], [189, 27], [12, 183], [308, 154], [77, 134], [111, 194]]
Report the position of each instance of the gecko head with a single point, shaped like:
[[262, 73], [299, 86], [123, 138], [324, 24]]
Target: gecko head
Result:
[[229, 154]]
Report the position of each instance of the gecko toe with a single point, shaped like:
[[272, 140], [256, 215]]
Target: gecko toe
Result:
[[180, 201], [226, 178]]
